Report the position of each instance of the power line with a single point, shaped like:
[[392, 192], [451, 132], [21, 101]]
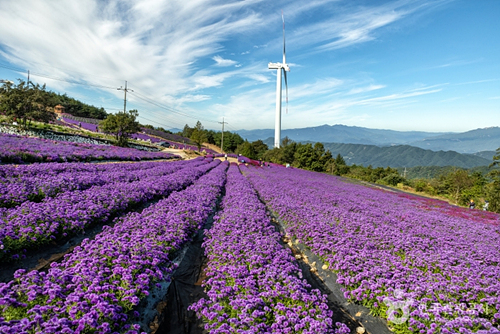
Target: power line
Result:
[[231, 128], [170, 109], [163, 125]]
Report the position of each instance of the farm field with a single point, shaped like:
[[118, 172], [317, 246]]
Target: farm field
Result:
[[421, 265]]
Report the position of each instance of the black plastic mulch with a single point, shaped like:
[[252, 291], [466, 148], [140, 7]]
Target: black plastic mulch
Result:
[[184, 290]]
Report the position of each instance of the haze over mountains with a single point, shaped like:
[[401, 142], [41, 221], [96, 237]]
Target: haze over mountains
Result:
[[384, 148], [473, 141]]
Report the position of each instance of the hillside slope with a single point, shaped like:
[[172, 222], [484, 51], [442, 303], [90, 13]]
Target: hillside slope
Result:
[[487, 139], [473, 141], [339, 133], [401, 156]]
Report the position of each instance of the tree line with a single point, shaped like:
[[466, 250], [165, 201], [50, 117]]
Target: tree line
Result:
[[199, 135], [26, 102]]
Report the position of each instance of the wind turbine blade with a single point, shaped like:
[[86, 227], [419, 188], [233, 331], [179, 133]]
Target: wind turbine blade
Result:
[[284, 55], [286, 88]]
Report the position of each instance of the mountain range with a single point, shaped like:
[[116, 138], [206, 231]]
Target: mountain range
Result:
[[402, 156], [382, 148], [487, 139]]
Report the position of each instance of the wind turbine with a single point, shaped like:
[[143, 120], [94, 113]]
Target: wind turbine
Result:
[[279, 67]]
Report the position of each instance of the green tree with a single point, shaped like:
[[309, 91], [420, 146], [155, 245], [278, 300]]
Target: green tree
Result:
[[286, 141], [211, 137], [198, 135], [121, 125], [493, 192], [493, 188], [392, 179], [246, 149], [289, 150], [496, 159], [187, 131], [305, 156], [456, 182], [275, 155], [339, 160], [337, 166], [259, 148], [25, 102]]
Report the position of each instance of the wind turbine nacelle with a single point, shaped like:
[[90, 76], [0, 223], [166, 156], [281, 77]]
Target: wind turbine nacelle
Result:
[[274, 66]]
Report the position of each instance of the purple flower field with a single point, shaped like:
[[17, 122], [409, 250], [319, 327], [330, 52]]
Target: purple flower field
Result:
[[254, 284], [36, 181], [18, 149], [391, 252], [98, 286], [84, 125], [31, 224], [421, 264]]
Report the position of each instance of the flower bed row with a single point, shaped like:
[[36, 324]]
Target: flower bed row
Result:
[[441, 271], [99, 286], [20, 149], [79, 124], [254, 283], [34, 182], [30, 224]]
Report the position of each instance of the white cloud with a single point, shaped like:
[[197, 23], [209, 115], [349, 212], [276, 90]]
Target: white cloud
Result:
[[354, 26], [368, 88], [396, 96], [125, 41], [316, 89], [224, 62], [259, 77]]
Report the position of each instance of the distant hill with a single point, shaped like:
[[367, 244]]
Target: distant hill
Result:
[[403, 156], [485, 154], [468, 142], [428, 172], [400, 156], [487, 139], [342, 134]]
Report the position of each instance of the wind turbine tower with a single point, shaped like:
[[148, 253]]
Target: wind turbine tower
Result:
[[279, 67]]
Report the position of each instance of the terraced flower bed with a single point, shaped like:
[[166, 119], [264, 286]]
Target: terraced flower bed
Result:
[[440, 272], [254, 284], [100, 285], [35, 182], [31, 224], [19, 149]]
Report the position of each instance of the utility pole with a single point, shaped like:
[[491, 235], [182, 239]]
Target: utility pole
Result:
[[222, 141], [125, 98]]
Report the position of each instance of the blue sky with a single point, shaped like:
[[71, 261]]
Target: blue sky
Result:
[[400, 65]]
